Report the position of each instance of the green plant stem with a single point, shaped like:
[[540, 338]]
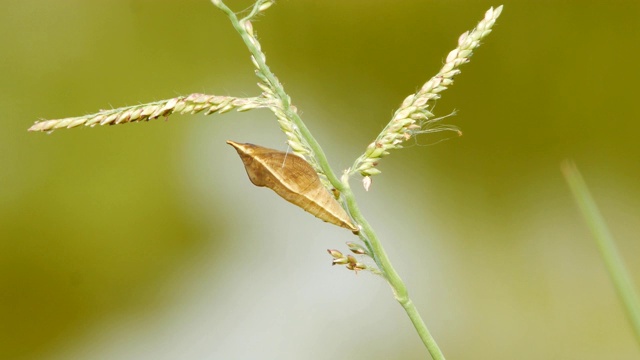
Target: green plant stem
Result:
[[606, 244], [384, 264], [366, 234]]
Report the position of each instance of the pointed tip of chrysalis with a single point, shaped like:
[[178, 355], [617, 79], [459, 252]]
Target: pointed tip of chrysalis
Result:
[[240, 147]]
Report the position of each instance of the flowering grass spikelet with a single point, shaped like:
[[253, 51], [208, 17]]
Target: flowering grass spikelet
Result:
[[414, 114], [191, 104]]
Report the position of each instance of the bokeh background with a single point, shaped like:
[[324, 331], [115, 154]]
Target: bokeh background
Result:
[[147, 241]]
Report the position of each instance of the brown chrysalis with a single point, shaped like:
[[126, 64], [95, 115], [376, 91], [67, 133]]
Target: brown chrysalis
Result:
[[291, 177]]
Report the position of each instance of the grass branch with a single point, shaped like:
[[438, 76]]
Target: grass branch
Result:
[[413, 117], [190, 104]]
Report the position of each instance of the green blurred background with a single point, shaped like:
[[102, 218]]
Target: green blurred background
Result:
[[146, 241]]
